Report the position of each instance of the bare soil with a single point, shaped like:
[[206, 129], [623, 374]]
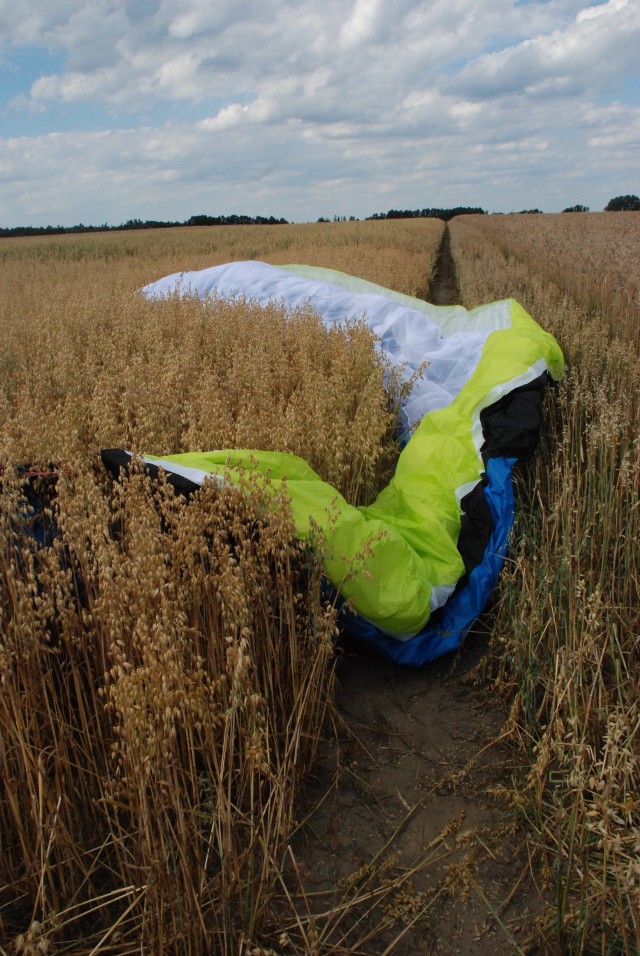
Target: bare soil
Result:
[[411, 775], [444, 288], [407, 788]]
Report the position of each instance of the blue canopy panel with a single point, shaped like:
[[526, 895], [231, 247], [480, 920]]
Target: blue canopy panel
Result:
[[448, 627]]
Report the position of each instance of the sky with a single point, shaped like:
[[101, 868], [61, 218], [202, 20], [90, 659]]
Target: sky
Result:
[[163, 109]]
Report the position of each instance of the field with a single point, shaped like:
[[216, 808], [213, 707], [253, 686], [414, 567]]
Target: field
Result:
[[167, 671], [565, 641], [591, 256]]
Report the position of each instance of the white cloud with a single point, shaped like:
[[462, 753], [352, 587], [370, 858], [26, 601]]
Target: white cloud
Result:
[[601, 9], [203, 17], [362, 25], [426, 100], [585, 55]]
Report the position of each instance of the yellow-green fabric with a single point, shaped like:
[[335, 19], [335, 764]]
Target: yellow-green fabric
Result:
[[409, 534]]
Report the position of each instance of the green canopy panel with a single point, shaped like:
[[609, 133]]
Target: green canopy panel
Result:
[[437, 534]]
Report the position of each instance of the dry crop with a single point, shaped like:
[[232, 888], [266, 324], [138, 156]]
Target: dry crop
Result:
[[591, 256], [165, 666], [566, 630], [399, 254]]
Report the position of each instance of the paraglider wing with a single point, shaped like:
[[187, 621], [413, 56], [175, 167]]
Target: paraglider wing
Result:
[[438, 532]]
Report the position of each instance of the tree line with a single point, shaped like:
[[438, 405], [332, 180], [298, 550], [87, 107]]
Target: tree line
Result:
[[201, 220], [623, 204], [617, 204], [445, 214]]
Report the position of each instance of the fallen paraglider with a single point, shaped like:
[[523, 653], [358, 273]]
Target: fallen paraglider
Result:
[[436, 536]]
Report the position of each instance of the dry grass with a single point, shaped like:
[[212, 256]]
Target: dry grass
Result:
[[566, 630], [165, 667], [104, 368]]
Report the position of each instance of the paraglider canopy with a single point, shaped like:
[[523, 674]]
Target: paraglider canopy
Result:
[[436, 536]]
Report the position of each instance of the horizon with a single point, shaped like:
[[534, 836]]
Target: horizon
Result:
[[135, 224]]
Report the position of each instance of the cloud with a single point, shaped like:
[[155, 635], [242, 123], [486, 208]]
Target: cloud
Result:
[[323, 62], [588, 54], [602, 9], [298, 105], [203, 17], [362, 25]]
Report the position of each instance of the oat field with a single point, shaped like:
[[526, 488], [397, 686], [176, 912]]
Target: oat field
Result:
[[565, 645], [166, 669], [591, 256]]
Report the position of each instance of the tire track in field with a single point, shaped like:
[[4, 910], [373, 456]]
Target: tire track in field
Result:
[[443, 289]]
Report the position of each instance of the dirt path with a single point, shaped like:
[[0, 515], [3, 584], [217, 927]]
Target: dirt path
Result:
[[444, 288], [406, 777], [408, 774]]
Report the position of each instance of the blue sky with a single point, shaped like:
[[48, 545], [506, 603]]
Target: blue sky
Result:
[[162, 109]]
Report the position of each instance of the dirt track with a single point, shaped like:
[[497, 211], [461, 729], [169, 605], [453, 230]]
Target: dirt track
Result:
[[407, 774]]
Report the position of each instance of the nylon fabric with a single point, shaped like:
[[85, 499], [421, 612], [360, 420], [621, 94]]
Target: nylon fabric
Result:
[[396, 561]]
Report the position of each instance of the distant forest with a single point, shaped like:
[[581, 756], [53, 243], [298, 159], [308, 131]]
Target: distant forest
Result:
[[233, 220], [617, 203], [145, 224], [445, 214]]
